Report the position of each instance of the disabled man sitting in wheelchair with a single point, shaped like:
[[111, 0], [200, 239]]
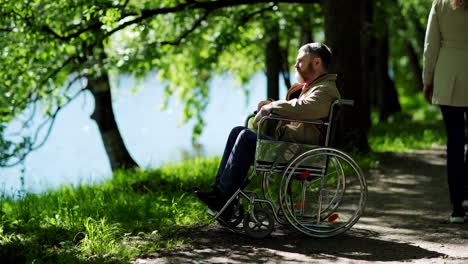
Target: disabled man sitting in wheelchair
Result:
[[310, 98], [300, 117]]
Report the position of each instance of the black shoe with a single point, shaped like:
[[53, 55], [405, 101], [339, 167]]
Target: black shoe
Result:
[[458, 215], [211, 199], [215, 202]]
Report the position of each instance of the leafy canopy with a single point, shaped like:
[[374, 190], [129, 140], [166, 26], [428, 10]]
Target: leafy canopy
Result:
[[51, 48]]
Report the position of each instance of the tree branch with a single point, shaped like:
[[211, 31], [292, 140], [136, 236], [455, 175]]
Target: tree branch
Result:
[[52, 120], [33, 146], [187, 32], [194, 5], [43, 81], [6, 30], [125, 3], [75, 34], [244, 19], [30, 118]]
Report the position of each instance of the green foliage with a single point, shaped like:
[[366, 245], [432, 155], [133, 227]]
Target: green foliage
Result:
[[51, 48], [409, 29], [102, 238], [418, 126], [406, 134], [129, 215]]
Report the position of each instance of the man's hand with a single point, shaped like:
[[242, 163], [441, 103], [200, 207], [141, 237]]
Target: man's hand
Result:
[[428, 89], [262, 103], [263, 111]]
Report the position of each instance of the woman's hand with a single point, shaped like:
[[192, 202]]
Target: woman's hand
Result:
[[428, 89]]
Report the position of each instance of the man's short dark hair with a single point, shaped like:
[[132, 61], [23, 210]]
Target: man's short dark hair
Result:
[[318, 49]]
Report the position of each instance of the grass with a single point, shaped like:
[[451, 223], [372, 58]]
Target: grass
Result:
[[138, 212], [418, 126], [132, 214], [406, 134]]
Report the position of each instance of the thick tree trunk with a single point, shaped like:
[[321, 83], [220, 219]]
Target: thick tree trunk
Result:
[[344, 32], [273, 63], [117, 153]]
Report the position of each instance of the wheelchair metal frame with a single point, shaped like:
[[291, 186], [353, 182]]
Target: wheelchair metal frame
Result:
[[289, 170]]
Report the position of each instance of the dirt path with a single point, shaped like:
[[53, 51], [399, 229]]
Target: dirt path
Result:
[[405, 221]]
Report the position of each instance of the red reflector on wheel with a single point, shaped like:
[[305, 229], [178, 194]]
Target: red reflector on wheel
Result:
[[332, 218], [304, 175]]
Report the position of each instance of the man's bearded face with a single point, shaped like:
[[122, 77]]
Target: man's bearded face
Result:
[[299, 77], [303, 69]]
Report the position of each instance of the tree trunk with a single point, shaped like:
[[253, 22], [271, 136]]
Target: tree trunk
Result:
[[385, 95], [285, 66], [371, 58], [103, 114], [344, 32], [305, 24], [414, 27], [414, 65], [273, 63], [388, 99], [419, 30]]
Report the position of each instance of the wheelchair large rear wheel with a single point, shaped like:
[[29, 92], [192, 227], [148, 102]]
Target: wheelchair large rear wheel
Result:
[[323, 192]]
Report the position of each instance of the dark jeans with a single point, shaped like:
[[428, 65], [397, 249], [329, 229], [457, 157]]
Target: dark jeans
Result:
[[238, 156], [457, 158]]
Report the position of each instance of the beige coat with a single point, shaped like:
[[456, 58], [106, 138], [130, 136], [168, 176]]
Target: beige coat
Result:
[[446, 54], [313, 103]]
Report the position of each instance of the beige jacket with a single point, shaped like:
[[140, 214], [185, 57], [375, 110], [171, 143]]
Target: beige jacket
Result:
[[446, 54], [313, 103]]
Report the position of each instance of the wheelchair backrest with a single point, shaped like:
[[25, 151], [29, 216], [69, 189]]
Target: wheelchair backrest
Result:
[[335, 119]]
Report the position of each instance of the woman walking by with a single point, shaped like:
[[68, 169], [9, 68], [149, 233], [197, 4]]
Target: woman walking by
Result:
[[445, 78]]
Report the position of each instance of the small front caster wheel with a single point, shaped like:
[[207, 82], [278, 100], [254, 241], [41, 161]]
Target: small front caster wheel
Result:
[[260, 224]]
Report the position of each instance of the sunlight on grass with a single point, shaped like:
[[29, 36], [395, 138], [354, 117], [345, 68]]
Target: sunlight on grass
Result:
[[418, 126], [406, 135], [101, 237], [110, 222]]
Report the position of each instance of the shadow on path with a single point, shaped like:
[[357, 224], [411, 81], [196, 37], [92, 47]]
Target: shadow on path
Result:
[[408, 193], [218, 245], [405, 221]]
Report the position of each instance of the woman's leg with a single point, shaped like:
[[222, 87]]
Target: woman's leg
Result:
[[454, 119], [465, 176]]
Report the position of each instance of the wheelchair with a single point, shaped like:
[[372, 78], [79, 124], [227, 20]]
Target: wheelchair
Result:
[[318, 190]]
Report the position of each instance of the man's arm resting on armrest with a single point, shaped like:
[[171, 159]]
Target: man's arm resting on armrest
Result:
[[314, 106]]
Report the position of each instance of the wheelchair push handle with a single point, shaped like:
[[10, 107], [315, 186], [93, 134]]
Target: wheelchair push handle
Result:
[[344, 102]]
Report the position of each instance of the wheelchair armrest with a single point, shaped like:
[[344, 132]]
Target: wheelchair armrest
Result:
[[281, 118], [246, 123], [305, 121]]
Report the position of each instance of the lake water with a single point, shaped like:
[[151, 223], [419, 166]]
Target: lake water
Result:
[[75, 154]]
